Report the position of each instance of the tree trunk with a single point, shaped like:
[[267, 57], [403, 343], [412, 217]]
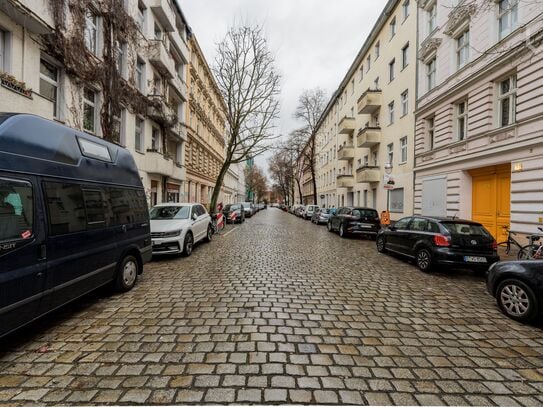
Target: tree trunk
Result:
[[314, 181], [300, 191], [218, 185]]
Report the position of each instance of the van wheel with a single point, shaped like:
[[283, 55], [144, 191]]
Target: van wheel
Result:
[[127, 274], [188, 244]]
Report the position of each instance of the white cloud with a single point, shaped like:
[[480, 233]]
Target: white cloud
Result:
[[315, 41]]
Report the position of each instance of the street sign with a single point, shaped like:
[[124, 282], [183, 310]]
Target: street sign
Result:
[[388, 182]]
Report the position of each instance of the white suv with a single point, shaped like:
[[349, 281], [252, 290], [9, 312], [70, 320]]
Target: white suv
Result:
[[176, 227], [309, 211]]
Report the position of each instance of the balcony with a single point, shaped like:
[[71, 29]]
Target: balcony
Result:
[[164, 12], [346, 125], [368, 137], [180, 86], [370, 101], [345, 153], [367, 174], [161, 59], [345, 181], [160, 111]]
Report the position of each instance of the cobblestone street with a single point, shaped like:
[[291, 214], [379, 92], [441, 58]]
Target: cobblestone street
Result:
[[280, 311]]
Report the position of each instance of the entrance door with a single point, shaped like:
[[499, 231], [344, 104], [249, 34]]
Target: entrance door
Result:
[[491, 198]]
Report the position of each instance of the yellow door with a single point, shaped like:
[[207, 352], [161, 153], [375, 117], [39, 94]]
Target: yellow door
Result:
[[491, 199]]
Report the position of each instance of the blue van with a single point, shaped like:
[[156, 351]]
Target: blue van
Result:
[[73, 217]]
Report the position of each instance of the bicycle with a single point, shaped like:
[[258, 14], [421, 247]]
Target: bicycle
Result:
[[532, 251], [506, 245]]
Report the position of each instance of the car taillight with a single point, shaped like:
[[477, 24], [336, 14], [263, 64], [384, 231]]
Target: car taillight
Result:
[[440, 240], [494, 245]]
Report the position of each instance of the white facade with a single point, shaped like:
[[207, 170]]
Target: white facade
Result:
[[157, 68], [233, 189]]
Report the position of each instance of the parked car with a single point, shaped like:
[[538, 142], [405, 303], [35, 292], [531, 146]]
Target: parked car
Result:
[[300, 210], [294, 209], [248, 208], [309, 211], [355, 221], [73, 217], [518, 288], [440, 241], [177, 227], [234, 213], [320, 216]]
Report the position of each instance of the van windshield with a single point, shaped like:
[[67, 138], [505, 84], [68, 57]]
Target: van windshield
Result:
[[15, 210], [169, 212]]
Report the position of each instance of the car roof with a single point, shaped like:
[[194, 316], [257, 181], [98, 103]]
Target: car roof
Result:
[[176, 204], [445, 219]]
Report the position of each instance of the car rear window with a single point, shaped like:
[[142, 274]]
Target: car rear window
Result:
[[369, 213], [466, 229]]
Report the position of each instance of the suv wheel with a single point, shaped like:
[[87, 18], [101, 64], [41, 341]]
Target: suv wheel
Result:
[[329, 226], [209, 235], [342, 232], [517, 300], [127, 274], [424, 260], [188, 244], [380, 243]]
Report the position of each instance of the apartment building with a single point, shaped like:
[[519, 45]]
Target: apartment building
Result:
[[142, 107], [206, 124], [369, 122], [234, 185], [479, 122]]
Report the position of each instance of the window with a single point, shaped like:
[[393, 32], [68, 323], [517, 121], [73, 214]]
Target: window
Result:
[[89, 110], [430, 132], [366, 198], [376, 83], [402, 224], [507, 100], [91, 31], [405, 56], [159, 35], [95, 208], [461, 120], [155, 139], [3, 36], [368, 63], [507, 17], [157, 84], [49, 78], [405, 102], [391, 113], [366, 161], [393, 28], [361, 70], [396, 200], [432, 16], [352, 90], [16, 210], [117, 128], [462, 49], [391, 70], [374, 158], [139, 135], [140, 16], [140, 72], [390, 153], [405, 9], [377, 49], [403, 149], [431, 74], [65, 207], [419, 225]]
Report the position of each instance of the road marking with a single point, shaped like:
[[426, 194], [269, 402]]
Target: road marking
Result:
[[230, 231]]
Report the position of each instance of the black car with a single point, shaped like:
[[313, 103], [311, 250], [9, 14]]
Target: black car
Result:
[[440, 241], [518, 288], [234, 213], [352, 220]]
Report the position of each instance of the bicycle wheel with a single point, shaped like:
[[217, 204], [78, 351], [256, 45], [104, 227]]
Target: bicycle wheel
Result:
[[527, 252], [505, 247]]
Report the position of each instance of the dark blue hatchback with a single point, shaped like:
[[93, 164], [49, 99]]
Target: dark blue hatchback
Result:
[[73, 217]]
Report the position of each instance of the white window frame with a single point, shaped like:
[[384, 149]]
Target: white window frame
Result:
[[139, 136], [392, 27], [390, 153], [461, 113], [3, 35], [91, 31], [508, 15], [56, 84], [368, 63], [405, 9], [431, 73], [432, 18], [140, 17], [405, 102], [391, 113], [156, 142], [405, 56], [391, 70], [94, 105], [462, 49], [430, 132], [377, 49], [403, 150], [511, 97]]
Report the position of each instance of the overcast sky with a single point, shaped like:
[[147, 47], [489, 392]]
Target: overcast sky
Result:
[[315, 41]]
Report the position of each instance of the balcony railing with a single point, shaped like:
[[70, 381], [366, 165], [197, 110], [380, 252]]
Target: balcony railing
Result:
[[347, 125], [367, 173], [160, 110], [345, 153], [345, 181], [160, 57], [163, 11], [368, 137], [370, 101]]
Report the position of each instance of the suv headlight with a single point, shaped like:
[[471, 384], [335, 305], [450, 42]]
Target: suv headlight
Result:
[[172, 234]]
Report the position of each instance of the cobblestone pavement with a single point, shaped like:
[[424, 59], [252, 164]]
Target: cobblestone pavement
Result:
[[279, 311]]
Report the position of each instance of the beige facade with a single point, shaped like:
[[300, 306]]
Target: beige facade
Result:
[[155, 70], [479, 123], [370, 122], [206, 122]]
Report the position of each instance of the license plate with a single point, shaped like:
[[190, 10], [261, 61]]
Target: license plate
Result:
[[364, 226], [474, 259]]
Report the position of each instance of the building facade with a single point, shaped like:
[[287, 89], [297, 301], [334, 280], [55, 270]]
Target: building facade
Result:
[[145, 99], [234, 185], [206, 123], [479, 122], [369, 122]]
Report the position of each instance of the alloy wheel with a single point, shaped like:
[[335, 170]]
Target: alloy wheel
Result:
[[515, 300], [188, 245], [424, 259]]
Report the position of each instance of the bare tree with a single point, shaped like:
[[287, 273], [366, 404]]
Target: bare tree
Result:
[[281, 169], [255, 181], [246, 76]]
